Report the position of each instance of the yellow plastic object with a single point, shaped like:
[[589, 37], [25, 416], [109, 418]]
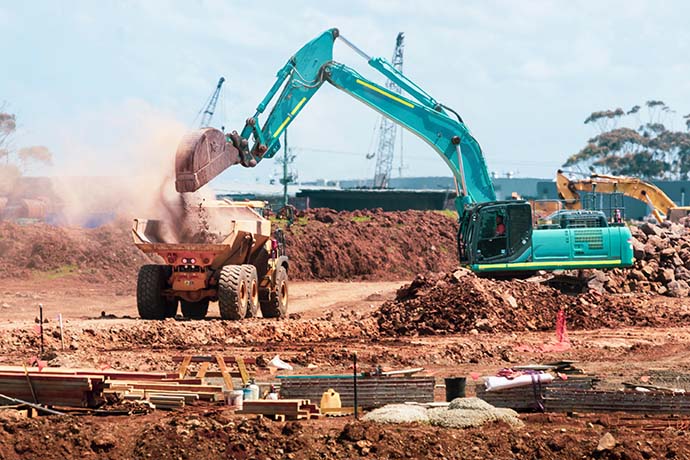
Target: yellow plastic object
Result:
[[330, 400]]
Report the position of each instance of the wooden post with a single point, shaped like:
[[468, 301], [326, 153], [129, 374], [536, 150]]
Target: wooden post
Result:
[[354, 379], [40, 324], [62, 336]]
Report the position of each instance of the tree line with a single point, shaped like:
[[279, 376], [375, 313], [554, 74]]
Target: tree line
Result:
[[652, 150]]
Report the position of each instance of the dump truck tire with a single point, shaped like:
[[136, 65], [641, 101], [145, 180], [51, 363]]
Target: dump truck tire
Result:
[[233, 292], [277, 304], [151, 303], [171, 308], [253, 290], [194, 310]]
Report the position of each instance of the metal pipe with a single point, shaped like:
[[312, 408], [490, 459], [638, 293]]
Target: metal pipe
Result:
[[35, 406], [462, 170], [354, 48]]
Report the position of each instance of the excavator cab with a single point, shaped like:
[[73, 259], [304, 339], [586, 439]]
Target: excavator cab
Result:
[[496, 232]]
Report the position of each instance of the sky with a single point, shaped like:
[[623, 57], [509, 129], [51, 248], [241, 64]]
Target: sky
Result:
[[109, 85]]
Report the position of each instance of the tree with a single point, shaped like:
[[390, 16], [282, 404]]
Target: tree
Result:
[[21, 158], [650, 151]]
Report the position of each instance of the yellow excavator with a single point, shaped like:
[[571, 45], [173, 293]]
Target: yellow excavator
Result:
[[662, 206]]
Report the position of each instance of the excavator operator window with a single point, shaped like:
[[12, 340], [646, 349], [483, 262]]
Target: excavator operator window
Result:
[[493, 232], [520, 234]]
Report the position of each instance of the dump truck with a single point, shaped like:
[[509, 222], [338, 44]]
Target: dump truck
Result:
[[233, 259]]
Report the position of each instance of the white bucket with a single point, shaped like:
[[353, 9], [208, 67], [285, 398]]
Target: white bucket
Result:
[[234, 398]]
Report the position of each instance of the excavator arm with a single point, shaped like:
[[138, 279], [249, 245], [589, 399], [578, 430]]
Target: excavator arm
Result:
[[520, 248], [301, 77], [661, 205]]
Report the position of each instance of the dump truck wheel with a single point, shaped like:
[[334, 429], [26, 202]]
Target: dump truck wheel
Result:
[[233, 292], [151, 282], [195, 310], [170, 308], [253, 290], [277, 304]]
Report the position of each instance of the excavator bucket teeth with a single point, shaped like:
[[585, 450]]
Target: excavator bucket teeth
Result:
[[201, 156]]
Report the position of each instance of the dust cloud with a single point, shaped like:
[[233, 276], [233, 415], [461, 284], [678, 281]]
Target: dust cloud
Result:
[[125, 170]]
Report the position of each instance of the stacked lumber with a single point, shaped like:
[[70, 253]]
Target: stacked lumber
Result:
[[52, 389], [282, 409], [165, 394], [80, 387]]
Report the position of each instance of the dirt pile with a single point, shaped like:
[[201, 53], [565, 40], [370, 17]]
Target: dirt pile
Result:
[[206, 434], [662, 263], [461, 302], [322, 244], [104, 254], [327, 245]]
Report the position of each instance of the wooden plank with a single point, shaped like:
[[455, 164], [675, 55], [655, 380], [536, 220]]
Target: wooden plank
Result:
[[184, 366], [110, 373], [212, 359], [224, 370], [187, 388], [244, 375], [186, 397], [201, 373]]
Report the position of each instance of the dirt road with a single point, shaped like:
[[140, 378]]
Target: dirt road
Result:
[[19, 299], [329, 320]]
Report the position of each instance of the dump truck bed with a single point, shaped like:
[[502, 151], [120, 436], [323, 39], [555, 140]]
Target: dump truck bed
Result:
[[214, 238]]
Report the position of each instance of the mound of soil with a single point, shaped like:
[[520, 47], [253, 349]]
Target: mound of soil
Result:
[[461, 302], [215, 433], [104, 254], [322, 244], [327, 245]]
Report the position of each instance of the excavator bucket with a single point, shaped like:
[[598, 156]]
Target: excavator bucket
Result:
[[201, 156]]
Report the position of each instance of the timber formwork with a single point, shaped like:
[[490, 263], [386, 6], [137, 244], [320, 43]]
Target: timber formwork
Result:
[[372, 391]]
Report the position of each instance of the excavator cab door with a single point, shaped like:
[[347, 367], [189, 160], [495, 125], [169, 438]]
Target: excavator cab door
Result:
[[495, 232]]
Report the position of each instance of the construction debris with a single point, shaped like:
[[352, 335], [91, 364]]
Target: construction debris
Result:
[[662, 262]]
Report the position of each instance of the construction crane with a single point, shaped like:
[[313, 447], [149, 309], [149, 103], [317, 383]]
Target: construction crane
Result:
[[387, 128], [207, 110]]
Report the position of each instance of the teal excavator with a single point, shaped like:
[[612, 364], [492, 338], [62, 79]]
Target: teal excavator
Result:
[[495, 237]]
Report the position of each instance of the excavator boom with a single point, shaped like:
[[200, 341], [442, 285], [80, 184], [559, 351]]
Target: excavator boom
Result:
[[300, 78], [518, 248]]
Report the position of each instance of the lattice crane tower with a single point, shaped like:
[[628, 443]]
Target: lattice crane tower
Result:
[[388, 129]]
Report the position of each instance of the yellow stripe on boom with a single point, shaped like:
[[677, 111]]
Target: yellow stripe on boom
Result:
[[385, 93], [280, 128], [301, 103], [285, 122]]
